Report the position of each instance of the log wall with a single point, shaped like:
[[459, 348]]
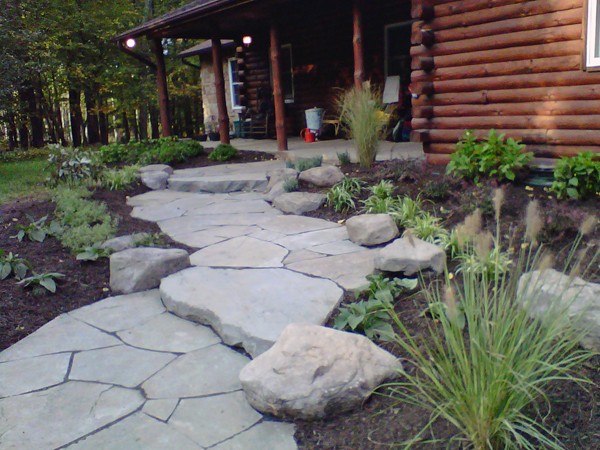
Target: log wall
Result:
[[513, 65]]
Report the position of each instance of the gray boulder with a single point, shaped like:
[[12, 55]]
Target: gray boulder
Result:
[[298, 202], [277, 178], [139, 269], [314, 372], [410, 255], [550, 291], [121, 243], [323, 176], [157, 168], [371, 229], [155, 180]]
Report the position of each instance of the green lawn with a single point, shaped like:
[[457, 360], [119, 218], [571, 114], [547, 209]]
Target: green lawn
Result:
[[22, 179]]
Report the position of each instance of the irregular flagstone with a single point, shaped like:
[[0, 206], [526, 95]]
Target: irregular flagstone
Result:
[[160, 409], [168, 333], [138, 269], [26, 375], [266, 235], [188, 224], [211, 420], [121, 312], [337, 248], [301, 255], [157, 198], [137, 432], [240, 252], [313, 238], [298, 202], [265, 435], [214, 235], [259, 167], [208, 371], [218, 183], [232, 207], [63, 334], [122, 365], [75, 409], [348, 272], [296, 224], [175, 208], [313, 372], [249, 307]]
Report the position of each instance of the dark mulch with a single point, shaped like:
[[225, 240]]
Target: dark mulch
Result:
[[380, 422]]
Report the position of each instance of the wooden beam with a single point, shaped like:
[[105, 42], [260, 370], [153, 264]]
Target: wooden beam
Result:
[[357, 44], [161, 82], [282, 143], [217, 56]]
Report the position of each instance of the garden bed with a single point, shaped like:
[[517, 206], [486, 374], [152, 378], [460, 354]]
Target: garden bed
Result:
[[574, 415]]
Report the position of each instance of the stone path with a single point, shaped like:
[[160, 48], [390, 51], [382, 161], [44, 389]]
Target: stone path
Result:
[[130, 372]]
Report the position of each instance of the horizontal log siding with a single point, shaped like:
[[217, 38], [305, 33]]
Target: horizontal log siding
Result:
[[513, 65]]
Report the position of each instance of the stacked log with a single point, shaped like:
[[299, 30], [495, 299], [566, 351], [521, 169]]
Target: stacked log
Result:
[[512, 65]]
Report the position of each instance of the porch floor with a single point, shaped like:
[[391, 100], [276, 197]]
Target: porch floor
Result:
[[330, 148]]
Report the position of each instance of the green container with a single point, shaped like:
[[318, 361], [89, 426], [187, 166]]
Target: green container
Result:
[[237, 129]]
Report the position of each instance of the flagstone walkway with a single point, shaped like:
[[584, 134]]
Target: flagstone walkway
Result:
[[132, 372]]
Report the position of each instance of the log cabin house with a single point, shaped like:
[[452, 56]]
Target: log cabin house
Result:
[[528, 68]]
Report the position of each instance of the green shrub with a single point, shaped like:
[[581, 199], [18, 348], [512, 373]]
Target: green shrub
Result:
[[118, 179], [290, 184], [71, 166], [344, 158], [164, 150], [24, 155], [577, 177], [342, 195], [83, 236], [361, 114], [304, 164], [492, 157], [223, 152]]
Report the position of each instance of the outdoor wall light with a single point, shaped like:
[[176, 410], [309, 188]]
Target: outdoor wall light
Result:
[[247, 40], [130, 43]]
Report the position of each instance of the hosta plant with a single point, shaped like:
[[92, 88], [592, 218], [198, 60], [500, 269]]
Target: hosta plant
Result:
[[12, 264], [45, 281]]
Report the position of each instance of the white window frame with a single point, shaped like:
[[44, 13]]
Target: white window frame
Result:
[[232, 85], [592, 45]]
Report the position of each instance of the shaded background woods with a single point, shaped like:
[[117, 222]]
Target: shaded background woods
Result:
[[62, 79]]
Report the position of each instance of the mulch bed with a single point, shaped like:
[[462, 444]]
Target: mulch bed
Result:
[[380, 422]]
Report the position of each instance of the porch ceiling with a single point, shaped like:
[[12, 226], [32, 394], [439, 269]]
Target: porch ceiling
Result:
[[203, 19]]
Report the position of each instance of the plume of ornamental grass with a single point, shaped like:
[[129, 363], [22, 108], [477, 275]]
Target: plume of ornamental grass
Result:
[[484, 379], [362, 115], [533, 222]]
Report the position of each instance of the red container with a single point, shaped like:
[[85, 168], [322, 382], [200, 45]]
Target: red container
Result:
[[307, 135]]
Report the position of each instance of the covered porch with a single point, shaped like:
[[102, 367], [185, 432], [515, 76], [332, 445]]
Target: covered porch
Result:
[[289, 56]]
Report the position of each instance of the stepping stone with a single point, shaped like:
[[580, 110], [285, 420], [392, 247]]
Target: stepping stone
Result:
[[31, 374], [232, 207], [298, 202], [121, 312], [240, 252], [76, 409], [122, 365], [188, 224], [372, 229], [323, 176], [313, 238], [208, 371], [337, 248], [63, 334], [350, 272], [301, 255], [314, 372], [296, 224], [168, 333], [138, 269], [160, 409], [208, 421], [219, 184], [410, 255], [265, 435], [249, 307], [154, 198], [137, 432]]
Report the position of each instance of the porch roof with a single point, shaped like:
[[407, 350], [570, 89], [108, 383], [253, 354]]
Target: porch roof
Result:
[[203, 47]]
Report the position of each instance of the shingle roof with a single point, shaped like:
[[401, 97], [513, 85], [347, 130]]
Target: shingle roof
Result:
[[203, 47]]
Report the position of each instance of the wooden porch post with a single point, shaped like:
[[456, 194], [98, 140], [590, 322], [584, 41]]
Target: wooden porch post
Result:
[[282, 143], [357, 43], [163, 92], [217, 56]]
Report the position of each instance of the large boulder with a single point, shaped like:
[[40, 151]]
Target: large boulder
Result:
[[371, 229], [277, 178], [549, 291], [156, 176], [314, 372], [139, 269], [410, 255], [298, 202], [121, 243], [323, 176]]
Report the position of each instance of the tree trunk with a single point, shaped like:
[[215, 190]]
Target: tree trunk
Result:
[[12, 132], [93, 126], [134, 123], [75, 116], [144, 121], [154, 121], [126, 131]]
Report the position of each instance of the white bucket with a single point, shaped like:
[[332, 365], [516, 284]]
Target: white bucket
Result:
[[314, 119]]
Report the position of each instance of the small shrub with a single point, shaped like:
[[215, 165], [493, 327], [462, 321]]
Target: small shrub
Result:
[[493, 157], [577, 177], [427, 227], [304, 164], [223, 152], [13, 264], [362, 115], [83, 236], [438, 190], [341, 196], [71, 166], [41, 282], [150, 240], [290, 184], [343, 158], [118, 179], [93, 253]]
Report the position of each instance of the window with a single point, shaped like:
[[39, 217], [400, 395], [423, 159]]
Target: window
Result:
[[287, 73], [235, 85], [592, 52], [397, 50]]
